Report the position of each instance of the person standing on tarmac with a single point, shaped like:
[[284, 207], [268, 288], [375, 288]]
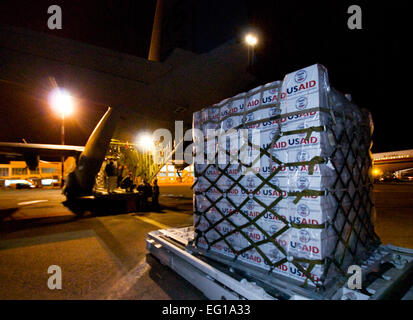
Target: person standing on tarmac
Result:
[[127, 183], [110, 171], [120, 174], [142, 202], [155, 194], [147, 192]]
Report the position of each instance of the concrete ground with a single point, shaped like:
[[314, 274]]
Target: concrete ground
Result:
[[104, 257], [101, 257], [394, 213]]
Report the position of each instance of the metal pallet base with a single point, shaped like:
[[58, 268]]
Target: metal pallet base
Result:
[[236, 282]]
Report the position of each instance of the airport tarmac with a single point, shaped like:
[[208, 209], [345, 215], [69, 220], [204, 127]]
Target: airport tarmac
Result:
[[104, 257]]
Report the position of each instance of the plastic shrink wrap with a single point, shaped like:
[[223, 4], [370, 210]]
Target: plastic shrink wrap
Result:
[[285, 184]]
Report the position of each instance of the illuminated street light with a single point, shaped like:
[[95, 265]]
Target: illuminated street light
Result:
[[145, 142], [61, 101], [251, 40]]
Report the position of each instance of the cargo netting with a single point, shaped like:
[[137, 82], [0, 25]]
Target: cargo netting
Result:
[[292, 194]]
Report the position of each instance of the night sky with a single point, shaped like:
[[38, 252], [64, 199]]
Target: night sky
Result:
[[373, 64]]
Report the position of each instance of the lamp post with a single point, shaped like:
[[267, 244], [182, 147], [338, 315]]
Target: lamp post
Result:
[[62, 103]]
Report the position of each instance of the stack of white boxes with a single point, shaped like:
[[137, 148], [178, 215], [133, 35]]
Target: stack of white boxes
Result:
[[306, 89]]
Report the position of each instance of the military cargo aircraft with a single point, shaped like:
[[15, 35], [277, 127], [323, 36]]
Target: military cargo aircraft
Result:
[[137, 91]]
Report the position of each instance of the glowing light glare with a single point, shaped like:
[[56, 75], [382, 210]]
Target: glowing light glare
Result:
[[61, 102], [251, 40], [376, 172], [145, 141]]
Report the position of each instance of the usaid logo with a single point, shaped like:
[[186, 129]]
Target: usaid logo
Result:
[[300, 76], [250, 205], [303, 210], [304, 236], [274, 111], [302, 156], [250, 182], [302, 183], [229, 123], [275, 254], [301, 103]]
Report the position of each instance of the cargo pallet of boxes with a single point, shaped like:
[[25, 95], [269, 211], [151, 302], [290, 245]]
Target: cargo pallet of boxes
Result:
[[284, 192]]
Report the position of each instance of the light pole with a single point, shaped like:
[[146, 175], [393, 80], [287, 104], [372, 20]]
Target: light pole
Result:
[[145, 143], [62, 103], [62, 136]]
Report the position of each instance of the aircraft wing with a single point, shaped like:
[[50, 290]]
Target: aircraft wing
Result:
[[44, 150]]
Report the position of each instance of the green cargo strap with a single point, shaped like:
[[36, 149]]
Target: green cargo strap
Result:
[[305, 193], [311, 163], [307, 225]]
